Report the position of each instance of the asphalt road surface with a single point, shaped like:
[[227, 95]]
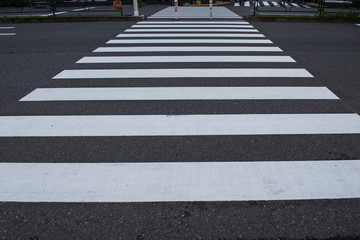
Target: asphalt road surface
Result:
[[179, 165]]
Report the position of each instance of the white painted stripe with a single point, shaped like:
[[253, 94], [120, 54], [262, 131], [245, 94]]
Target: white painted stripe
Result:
[[295, 5], [203, 41], [275, 3], [266, 4], [183, 73], [178, 93], [7, 34], [237, 4], [50, 14], [188, 49], [187, 26], [83, 9], [191, 17], [193, 22], [287, 5], [3, 28], [247, 4], [178, 125], [179, 181], [190, 35], [305, 6], [358, 25], [191, 30], [185, 59]]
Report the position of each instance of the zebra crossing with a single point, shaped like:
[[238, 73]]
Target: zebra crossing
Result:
[[6, 33], [176, 67], [276, 4]]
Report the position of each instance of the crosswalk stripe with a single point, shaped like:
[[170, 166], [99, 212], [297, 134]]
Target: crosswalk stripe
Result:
[[198, 16], [185, 59], [178, 125], [188, 49], [187, 26], [183, 73], [192, 22], [246, 29], [275, 3], [295, 5], [266, 4], [3, 28], [7, 34], [181, 35], [178, 93], [247, 4], [187, 41], [179, 181]]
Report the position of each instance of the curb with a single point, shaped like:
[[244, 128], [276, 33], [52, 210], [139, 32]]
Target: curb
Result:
[[70, 19], [299, 19]]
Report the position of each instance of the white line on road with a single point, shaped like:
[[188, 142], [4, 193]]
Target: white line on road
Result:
[[50, 14], [7, 34], [179, 181], [247, 4], [178, 125], [295, 5], [190, 35], [188, 41], [188, 49], [3, 28], [186, 26], [276, 4], [193, 22], [185, 59], [266, 4], [83, 9], [178, 93], [191, 30], [183, 73], [197, 16], [358, 25]]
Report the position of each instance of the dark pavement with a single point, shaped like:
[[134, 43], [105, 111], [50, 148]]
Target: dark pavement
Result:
[[38, 52]]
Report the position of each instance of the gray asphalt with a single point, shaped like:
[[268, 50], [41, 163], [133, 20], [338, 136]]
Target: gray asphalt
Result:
[[40, 51]]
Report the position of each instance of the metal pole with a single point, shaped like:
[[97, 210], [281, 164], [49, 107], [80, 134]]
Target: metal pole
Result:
[[176, 9], [136, 9], [211, 9]]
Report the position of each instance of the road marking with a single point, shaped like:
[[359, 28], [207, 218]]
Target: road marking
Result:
[[197, 16], [247, 4], [183, 73], [202, 41], [190, 35], [266, 4], [7, 34], [276, 4], [191, 30], [50, 14], [187, 26], [194, 22], [179, 181], [178, 125], [295, 5], [358, 25], [185, 59], [83, 9], [188, 49], [287, 5], [178, 93], [3, 28]]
